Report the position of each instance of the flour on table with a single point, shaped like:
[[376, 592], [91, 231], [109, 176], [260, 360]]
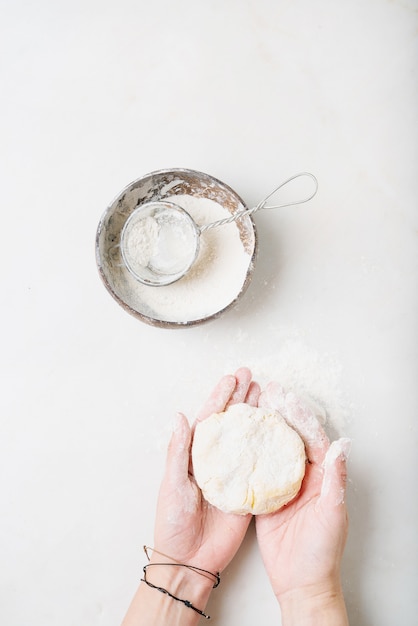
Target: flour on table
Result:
[[316, 378]]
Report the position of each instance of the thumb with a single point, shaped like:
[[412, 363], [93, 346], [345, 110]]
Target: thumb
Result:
[[335, 473], [178, 453]]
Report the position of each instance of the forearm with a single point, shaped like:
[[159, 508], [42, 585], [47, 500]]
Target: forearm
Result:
[[311, 607], [151, 607]]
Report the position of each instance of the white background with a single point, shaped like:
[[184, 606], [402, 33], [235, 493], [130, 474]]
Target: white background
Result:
[[95, 94]]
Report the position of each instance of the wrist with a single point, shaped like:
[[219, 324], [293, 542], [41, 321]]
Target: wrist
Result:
[[181, 581], [170, 593], [152, 607], [316, 604]]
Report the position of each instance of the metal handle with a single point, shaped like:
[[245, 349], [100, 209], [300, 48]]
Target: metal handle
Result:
[[263, 203]]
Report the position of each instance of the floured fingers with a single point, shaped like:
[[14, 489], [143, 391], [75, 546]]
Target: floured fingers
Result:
[[303, 419]]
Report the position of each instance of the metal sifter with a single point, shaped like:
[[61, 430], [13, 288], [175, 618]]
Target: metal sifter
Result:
[[160, 240]]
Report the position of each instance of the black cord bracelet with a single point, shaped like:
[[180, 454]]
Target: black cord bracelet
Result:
[[192, 568], [198, 570], [162, 590]]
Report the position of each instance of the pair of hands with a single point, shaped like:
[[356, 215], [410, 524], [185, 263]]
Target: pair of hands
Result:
[[301, 544]]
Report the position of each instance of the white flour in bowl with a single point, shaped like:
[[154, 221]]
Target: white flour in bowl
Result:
[[215, 279]]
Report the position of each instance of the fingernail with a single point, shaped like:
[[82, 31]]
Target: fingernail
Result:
[[345, 446], [338, 449], [177, 423]]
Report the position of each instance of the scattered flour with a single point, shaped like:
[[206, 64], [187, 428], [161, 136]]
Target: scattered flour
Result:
[[314, 378], [277, 352]]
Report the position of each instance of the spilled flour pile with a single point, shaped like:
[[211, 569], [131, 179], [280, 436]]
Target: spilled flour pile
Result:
[[314, 378]]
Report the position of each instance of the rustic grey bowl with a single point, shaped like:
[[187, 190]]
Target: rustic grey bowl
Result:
[[160, 185]]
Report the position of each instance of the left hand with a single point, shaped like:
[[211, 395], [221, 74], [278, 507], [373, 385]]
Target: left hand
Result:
[[188, 528], [302, 544]]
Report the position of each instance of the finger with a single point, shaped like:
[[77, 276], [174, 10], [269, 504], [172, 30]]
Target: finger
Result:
[[335, 473], [243, 380], [273, 397], [178, 453], [253, 394], [219, 397], [304, 421]]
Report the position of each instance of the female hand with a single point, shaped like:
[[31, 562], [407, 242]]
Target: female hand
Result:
[[302, 544], [187, 527]]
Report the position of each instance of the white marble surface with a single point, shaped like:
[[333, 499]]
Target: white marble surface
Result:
[[95, 94]]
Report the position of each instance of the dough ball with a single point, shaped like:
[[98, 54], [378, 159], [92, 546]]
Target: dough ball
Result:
[[248, 460]]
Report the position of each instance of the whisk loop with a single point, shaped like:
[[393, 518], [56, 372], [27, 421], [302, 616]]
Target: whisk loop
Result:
[[263, 204]]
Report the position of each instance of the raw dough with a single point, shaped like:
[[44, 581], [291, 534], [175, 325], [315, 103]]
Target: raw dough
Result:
[[248, 460]]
